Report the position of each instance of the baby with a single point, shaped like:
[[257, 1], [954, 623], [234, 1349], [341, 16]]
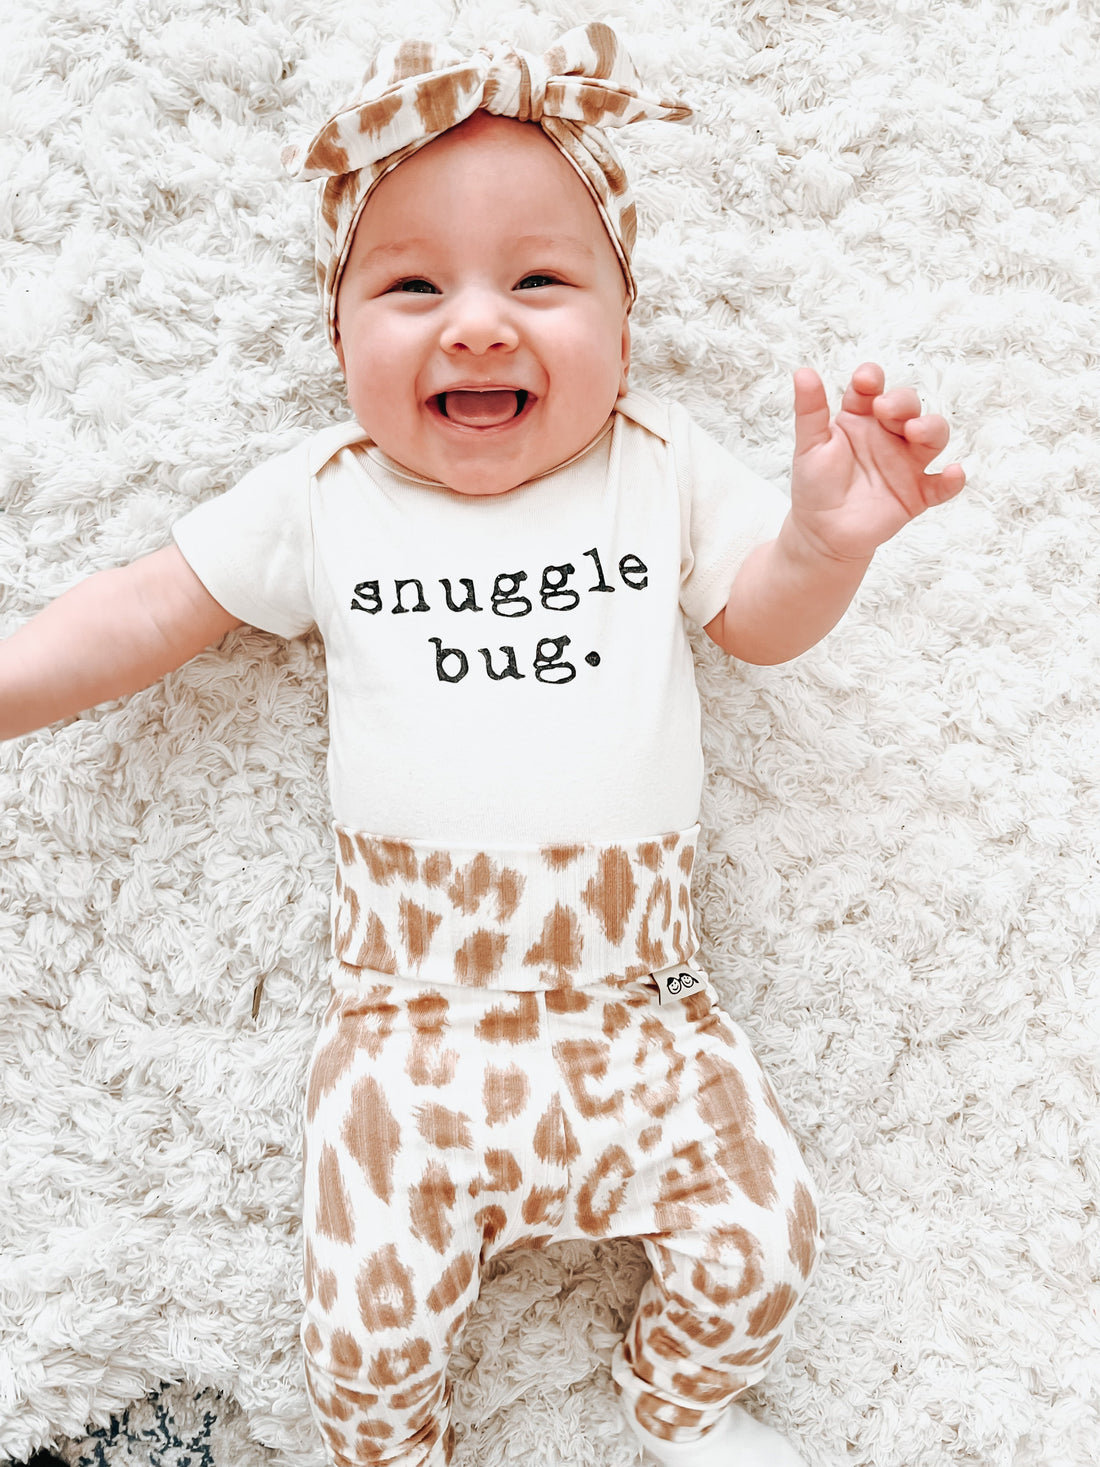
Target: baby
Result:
[[500, 553]]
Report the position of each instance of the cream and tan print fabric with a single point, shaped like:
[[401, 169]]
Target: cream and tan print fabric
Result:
[[445, 1125], [517, 917], [417, 89]]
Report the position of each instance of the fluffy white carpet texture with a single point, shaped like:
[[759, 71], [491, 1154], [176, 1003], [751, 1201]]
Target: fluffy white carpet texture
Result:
[[898, 882]]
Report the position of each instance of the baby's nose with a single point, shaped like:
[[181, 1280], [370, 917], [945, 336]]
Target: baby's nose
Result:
[[478, 321]]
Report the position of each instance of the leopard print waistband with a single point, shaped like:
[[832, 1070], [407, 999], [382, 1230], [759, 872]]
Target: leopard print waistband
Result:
[[513, 917]]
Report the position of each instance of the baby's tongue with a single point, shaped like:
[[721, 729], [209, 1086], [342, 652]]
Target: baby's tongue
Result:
[[480, 409]]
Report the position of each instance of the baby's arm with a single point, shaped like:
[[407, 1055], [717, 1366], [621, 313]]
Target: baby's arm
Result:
[[856, 481], [112, 634]]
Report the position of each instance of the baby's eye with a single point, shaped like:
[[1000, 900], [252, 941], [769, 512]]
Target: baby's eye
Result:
[[416, 286], [531, 281]]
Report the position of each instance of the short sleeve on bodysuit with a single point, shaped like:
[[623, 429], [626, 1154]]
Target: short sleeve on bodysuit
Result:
[[726, 510], [252, 547]]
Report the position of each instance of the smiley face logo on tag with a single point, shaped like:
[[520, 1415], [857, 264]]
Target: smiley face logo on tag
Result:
[[677, 982]]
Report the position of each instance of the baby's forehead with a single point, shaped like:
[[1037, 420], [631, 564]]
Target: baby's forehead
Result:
[[512, 145], [498, 156]]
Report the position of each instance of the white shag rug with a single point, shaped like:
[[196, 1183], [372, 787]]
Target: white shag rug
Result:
[[899, 890]]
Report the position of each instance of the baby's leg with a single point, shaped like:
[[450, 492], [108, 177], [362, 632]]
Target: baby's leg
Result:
[[700, 1163], [393, 1237]]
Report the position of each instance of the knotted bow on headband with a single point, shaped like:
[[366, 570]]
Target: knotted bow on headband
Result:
[[417, 90]]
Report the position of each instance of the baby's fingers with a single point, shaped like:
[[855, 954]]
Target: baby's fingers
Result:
[[811, 411], [929, 432], [867, 382], [939, 488], [899, 412], [896, 408]]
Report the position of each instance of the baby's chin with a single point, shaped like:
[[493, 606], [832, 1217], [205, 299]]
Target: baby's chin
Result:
[[473, 484], [479, 476], [482, 484]]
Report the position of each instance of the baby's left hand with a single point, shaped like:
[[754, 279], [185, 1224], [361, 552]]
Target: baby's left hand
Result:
[[857, 480]]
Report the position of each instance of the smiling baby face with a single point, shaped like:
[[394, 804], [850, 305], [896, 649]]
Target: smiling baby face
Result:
[[482, 315]]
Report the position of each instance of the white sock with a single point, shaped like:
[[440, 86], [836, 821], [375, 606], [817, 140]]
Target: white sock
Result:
[[739, 1440]]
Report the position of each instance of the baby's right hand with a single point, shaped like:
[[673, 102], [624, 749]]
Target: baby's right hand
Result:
[[112, 634]]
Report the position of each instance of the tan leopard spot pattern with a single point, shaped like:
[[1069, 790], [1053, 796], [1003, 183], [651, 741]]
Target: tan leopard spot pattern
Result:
[[395, 1367], [483, 877], [584, 1063], [479, 957], [428, 1064], [413, 56], [429, 1203], [491, 1222], [329, 1066], [554, 1140], [616, 1018], [505, 1093], [438, 105], [750, 1359], [708, 1388], [517, 1025], [445, 1129], [334, 1214], [417, 926], [666, 1344], [692, 1180], [455, 1278], [392, 913], [504, 1173], [374, 122], [558, 948], [371, 1134], [752, 1266], [771, 1312], [327, 1287], [772, 1101], [533, 1240], [593, 1214], [710, 1332], [802, 1224], [385, 1289], [347, 1357], [436, 868], [428, 1107], [543, 1204], [724, 1102], [664, 1421], [567, 1001], [611, 892], [657, 1093]]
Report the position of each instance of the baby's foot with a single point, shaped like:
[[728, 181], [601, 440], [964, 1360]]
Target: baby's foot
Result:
[[739, 1440]]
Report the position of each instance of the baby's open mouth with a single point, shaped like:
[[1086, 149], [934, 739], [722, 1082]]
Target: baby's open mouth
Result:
[[474, 408]]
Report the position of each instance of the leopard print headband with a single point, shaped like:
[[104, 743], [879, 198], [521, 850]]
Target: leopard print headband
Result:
[[417, 90]]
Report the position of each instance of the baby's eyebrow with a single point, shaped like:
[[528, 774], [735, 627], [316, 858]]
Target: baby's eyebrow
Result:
[[384, 252], [551, 241]]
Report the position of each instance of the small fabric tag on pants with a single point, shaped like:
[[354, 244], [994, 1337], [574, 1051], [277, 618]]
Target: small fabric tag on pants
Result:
[[677, 982]]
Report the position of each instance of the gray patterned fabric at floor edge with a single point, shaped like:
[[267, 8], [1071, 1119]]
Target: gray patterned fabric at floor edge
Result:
[[176, 1427]]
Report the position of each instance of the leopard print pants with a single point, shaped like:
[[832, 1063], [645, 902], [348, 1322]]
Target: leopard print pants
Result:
[[449, 1121]]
